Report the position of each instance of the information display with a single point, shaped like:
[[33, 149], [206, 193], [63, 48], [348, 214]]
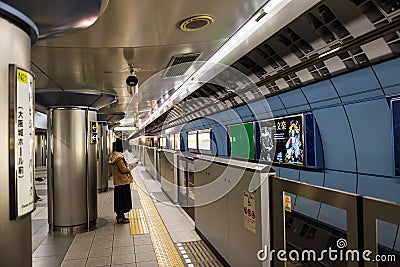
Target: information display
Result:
[[242, 140], [22, 133], [192, 140], [178, 141], [287, 134], [204, 139]]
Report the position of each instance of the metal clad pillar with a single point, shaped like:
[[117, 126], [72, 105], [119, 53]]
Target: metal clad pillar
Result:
[[15, 45], [102, 158], [72, 172]]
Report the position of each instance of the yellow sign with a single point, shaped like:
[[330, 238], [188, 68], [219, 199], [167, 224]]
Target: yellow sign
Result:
[[288, 203], [22, 76]]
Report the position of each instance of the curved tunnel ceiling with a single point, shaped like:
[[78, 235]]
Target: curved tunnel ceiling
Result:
[[333, 37], [58, 17]]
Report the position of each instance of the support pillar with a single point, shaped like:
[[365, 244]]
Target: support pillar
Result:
[[15, 44], [102, 158], [72, 170]]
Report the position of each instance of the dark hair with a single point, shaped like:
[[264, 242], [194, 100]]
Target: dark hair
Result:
[[117, 145]]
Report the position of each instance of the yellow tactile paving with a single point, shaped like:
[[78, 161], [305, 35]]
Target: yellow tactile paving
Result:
[[137, 222], [166, 253]]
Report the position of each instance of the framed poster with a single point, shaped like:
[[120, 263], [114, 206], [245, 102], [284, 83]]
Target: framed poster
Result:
[[21, 141]]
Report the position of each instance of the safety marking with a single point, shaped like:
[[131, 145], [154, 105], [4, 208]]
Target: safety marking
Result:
[[134, 187], [166, 252], [137, 222]]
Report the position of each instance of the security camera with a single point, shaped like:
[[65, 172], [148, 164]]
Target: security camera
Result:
[[132, 81]]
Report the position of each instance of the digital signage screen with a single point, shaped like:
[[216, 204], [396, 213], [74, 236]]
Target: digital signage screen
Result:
[[281, 140], [241, 138], [177, 141], [204, 140], [192, 140]]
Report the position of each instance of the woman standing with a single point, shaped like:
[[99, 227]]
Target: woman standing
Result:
[[122, 178]]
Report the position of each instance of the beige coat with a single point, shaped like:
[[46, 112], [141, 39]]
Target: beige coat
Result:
[[120, 171]]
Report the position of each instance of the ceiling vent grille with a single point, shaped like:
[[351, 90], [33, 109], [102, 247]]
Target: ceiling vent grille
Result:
[[180, 64]]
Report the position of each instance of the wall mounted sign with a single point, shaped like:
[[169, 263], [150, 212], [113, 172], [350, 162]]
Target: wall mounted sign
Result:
[[21, 141], [93, 132], [249, 211]]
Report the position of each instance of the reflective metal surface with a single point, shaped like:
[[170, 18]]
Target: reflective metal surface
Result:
[[72, 194], [15, 235], [102, 159], [56, 17], [143, 33]]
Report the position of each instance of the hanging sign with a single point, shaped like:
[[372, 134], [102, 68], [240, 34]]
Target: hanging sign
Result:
[[93, 132], [21, 138], [249, 211]]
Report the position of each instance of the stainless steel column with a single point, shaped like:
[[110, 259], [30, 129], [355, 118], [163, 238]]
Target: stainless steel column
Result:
[[15, 45], [40, 150], [72, 172], [102, 158]]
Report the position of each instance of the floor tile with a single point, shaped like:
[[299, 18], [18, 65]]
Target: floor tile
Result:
[[100, 261], [125, 265], [74, 263], [121, 259], [73, 255], [103, 238], [123, 243], [123, 250], [147, 264], [98, 245], [146, 256], [144, 248], [100, 252], [80, 247], [53, 261]]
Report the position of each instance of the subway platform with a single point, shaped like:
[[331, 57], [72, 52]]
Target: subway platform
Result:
[[159, 233]]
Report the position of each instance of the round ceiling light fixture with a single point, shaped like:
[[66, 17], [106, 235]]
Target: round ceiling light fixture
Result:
[[196, 23]]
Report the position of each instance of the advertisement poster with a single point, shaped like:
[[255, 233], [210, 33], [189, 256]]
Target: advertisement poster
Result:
[[281, 140]]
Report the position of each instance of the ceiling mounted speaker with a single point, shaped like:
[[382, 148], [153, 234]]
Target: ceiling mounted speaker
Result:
[[196, 23]]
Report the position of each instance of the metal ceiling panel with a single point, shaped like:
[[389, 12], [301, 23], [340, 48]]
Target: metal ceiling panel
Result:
[[142, 33]]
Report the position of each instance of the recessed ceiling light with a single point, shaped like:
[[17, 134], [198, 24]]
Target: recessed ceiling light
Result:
[[196, 23]]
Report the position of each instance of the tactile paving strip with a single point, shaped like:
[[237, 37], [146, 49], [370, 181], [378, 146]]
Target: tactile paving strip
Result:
[[134, 187], [137, 222], [197, 254], [166, 252]]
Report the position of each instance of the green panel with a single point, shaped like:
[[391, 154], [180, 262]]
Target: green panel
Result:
[[242, 140]]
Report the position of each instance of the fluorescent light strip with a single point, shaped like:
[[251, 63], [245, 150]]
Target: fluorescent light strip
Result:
[[125, 128], [270, 8]]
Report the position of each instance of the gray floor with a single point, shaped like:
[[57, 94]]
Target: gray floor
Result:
[[110, 244]]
